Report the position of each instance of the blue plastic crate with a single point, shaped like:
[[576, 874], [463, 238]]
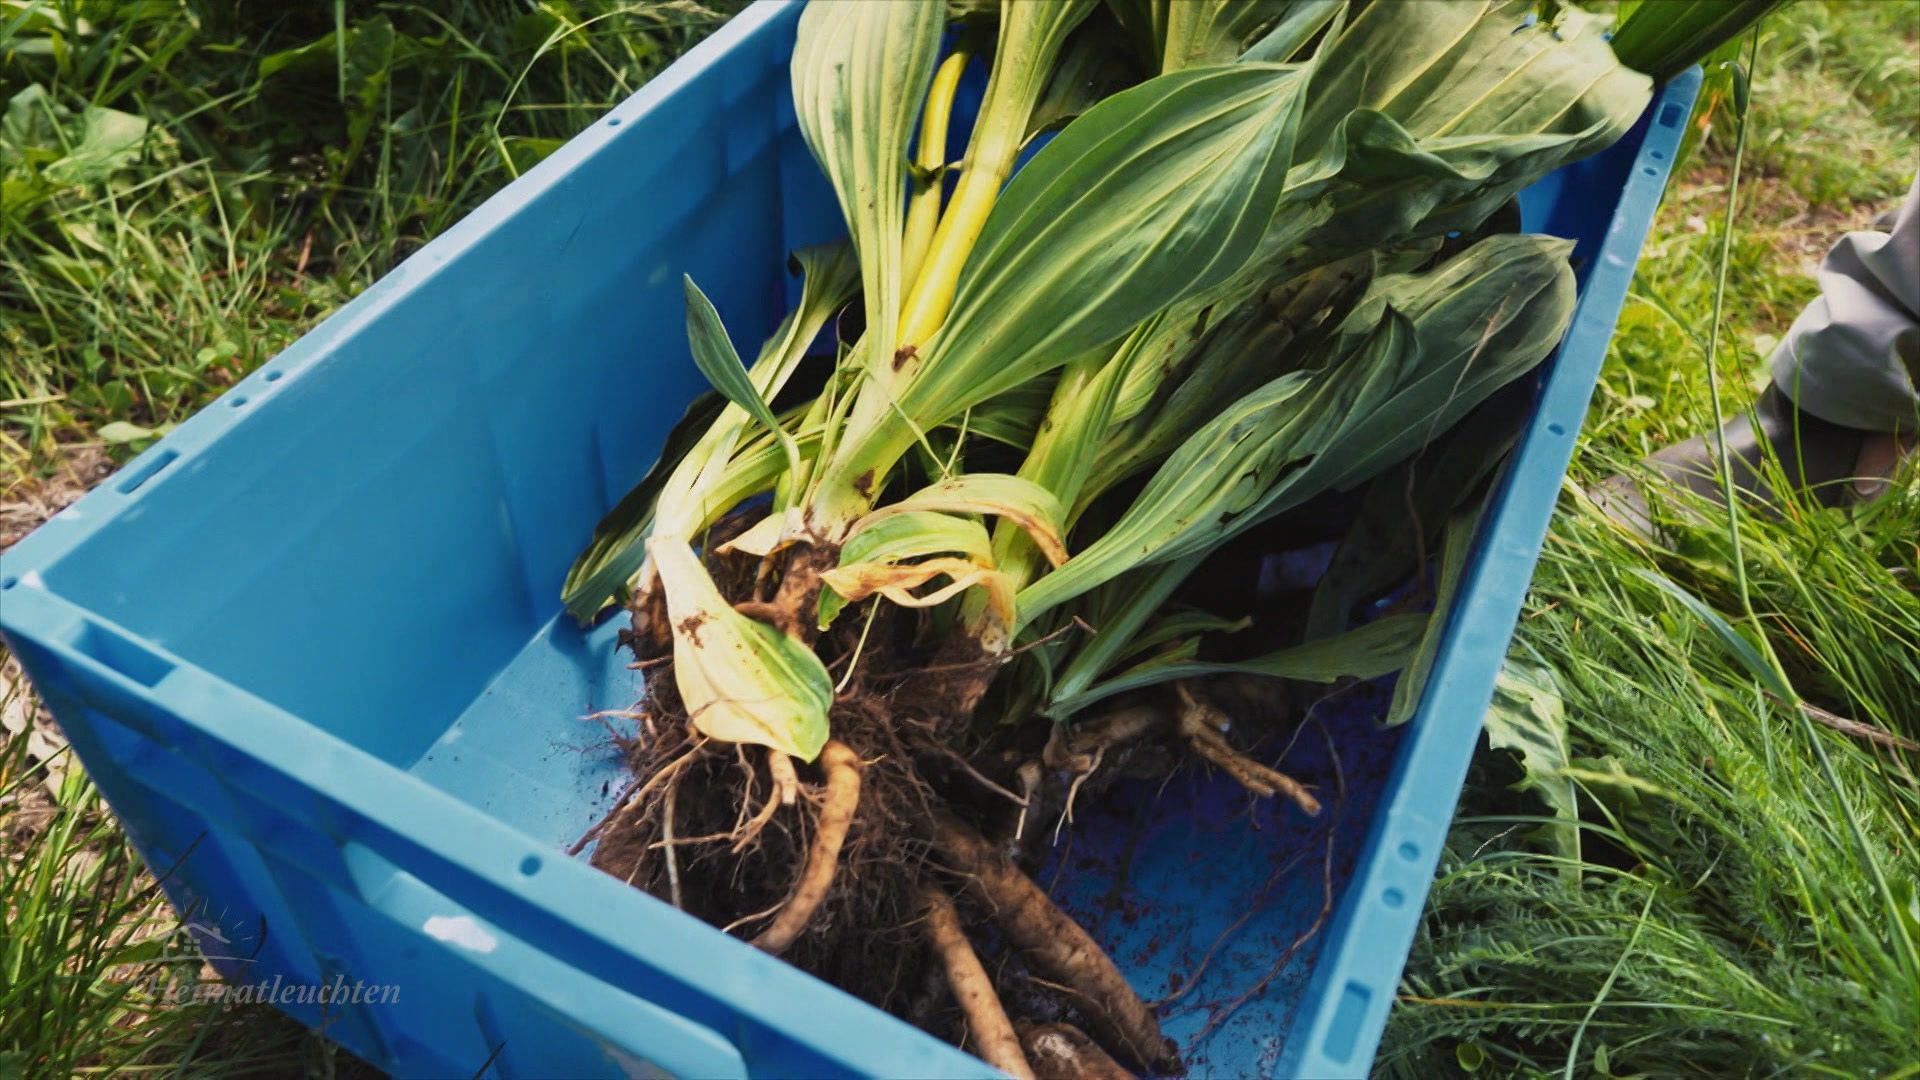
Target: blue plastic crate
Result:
[[309, 644]]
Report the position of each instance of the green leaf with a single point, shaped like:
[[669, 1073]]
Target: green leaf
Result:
[[526, 151], [1412, 686], [1665, 39], [1407, 508], [1417, 355], [1474, 69], [860, 71], [699, 459], [616, 553], [1366, 652], [1173, 35], [1203, 365], [908, 535], [1421, 126], [1026, 504], [1094, 65], [1743, 650], [1189, 624], [1118, 611], [913, 533], [714, 355], [742, 681], [1296, 27], [120, 431], [1067, 443], [1528, 716], [1157, 193], [109, 140], [828, 276]]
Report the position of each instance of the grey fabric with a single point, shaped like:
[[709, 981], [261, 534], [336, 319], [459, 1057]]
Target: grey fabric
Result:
[[1853, 356]]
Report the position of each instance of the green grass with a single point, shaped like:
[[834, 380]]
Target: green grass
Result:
[[186, 186], [1743, 900], [190, 185], [196, 183], [1727, 919], [93, 959]]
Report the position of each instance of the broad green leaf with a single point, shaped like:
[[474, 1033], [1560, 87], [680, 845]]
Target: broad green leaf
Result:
[[120, 431], [1481, 319], [1158, 192], [1667, 38], [913, 533], [1419, 353], [30, 127], [1475, 68], [1203, 367], [109, 140], [860, 72], [1366, 652], [741, 680], [1528, 716], [1421, 126], [1296, 27], [1197, 33], [1026, 504]]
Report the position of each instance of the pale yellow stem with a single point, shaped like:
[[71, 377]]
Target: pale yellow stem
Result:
[[923, 210]]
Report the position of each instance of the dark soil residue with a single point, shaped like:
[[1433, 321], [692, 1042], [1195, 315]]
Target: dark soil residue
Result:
[[704, 826]]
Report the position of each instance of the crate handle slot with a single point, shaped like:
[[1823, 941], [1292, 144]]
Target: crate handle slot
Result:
[[144, 467], [122, 655]]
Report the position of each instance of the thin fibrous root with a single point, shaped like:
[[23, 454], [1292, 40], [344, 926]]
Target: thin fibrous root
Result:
[[1030, 776], [1073, 792], [666, 836], [748, 832], [786, 791], [1056, 946], [1064, 1052], [1201, 725], [823, 858], [993, 1033]]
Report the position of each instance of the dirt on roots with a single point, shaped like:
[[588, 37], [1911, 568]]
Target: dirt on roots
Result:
[[719, 831]]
